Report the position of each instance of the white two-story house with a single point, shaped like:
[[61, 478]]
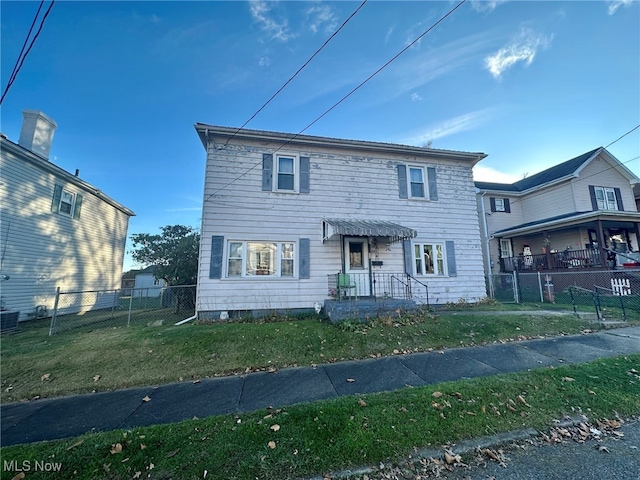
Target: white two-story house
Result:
[[290, 221], [579, 214], [56, 230]]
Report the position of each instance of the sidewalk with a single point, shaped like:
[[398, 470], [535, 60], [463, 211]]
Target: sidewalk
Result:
[[64, 417]]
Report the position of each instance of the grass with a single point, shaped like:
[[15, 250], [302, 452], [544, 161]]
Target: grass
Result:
[[37, 365], [346, 432]]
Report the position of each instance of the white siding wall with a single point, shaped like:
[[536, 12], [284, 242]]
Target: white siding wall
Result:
[[548, 202], [600, 174], [497, 221], [342, 186], [44, 250]]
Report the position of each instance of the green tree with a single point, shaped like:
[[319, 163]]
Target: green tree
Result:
[[174, 253]]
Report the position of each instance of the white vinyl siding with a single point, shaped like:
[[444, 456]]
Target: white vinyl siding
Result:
[[344, 184], [45, 250]]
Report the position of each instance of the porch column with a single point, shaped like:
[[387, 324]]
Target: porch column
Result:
[[600, 234], [638, 234]]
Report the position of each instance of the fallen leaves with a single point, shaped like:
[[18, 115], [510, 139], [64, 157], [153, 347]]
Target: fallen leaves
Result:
[[350, 380], [115, 449], [146, 399], [275, 427], [96, 378], [568, 379], [362, 403], [271, 444], [45, 377]]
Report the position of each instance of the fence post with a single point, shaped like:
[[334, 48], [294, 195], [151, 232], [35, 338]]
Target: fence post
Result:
[[130, 304], [516, 286], [540, 287], [55, 312]]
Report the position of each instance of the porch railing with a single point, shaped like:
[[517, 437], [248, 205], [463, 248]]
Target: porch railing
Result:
[[400, 286], [553, 261]]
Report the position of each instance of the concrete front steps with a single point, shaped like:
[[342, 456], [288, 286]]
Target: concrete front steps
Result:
[[362, 308]]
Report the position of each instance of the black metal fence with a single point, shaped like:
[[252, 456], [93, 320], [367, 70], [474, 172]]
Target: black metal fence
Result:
[[618, 288], [110, 308]]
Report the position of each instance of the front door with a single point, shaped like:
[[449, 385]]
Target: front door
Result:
[[356, 259]]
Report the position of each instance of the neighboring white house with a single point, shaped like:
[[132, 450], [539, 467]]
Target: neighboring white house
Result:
[[147, 285], [284, 214], [573, 215], [56, 229]]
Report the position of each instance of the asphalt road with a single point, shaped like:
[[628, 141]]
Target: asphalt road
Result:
[[608, 458]]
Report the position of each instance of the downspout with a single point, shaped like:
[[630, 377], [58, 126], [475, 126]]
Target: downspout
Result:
[[487, 246], [181, 322]]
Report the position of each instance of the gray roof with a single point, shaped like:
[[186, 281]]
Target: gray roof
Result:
[[556, 172]]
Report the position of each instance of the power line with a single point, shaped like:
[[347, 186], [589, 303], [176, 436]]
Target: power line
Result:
[[297, 72], [620, 138], [21, 58], [417, 39]]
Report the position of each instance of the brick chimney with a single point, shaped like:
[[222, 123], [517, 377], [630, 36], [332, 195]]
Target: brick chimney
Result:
[[37, 132]]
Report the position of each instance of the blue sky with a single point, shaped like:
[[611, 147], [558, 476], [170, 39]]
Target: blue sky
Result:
[[531, 84]]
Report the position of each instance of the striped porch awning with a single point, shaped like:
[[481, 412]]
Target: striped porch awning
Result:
[[365, 228]]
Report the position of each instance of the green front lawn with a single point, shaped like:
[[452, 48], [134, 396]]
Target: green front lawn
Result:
[[35, 364]]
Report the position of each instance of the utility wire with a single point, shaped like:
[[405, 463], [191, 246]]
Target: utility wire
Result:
[[620, 138], [297, 72], [417, 39], [21, 57]]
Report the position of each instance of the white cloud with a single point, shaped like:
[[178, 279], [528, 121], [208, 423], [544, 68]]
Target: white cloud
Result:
[[483, 173], [320, 15], [485, 5], [264, 61], [616, 4], [458, 124], [277, 29], [415, 97], [389, 33], [523, 48]]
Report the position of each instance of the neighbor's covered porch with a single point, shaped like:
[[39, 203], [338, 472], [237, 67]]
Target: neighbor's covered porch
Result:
[[588, 240]]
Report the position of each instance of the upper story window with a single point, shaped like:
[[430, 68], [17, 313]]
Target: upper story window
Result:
[[65, 202], [286, 178], [417, 182], [500, 205], [285, 173], [606, 198]]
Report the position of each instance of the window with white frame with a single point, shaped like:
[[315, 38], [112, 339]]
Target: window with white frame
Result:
[[429, 258], [286, 173], [416, 182], [606, 198], [65, 202], [505, 248], [249, 259], [500, 205]]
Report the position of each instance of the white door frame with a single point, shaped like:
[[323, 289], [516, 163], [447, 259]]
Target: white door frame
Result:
[[358, 263]]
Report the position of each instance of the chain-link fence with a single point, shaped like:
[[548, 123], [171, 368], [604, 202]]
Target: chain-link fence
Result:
[[619, 289], [110, 308]]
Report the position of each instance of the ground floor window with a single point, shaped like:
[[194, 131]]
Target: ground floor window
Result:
[[248, 259], [429, 258]]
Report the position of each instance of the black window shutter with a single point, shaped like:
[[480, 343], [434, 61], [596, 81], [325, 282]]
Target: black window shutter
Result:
[[305, 174], [215, 266], [78, 206], [433, 187], [619, 198], [507, 207], [402, 181], [267, 172], [451, 258], [55, 202], [492, 202], [408, 257], [592, 194], [305, 258]]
